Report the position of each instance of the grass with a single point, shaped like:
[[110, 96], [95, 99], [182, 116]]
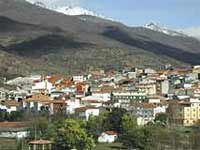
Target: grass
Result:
[[12, 144], [7, 144], [112, 146]]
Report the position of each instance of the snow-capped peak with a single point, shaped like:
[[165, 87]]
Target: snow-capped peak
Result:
[[40, 4], [67, 10], [156, 27], [73, 11]]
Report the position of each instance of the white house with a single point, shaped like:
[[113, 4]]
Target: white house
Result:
[[149, 71], [38, 102], [9, 105], [80, 78], [146, 112], [87, 111], [14, 134], [107, 137], [72, 104], [98, 96], [159, 109], [42, 86], [56, 94], [149, 88], [13, 130], [164, 87], [154, 99]]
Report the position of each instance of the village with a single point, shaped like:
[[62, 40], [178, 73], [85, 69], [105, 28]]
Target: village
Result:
[[172, 94]]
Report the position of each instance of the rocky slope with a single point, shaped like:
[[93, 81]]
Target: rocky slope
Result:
[[36, 40]]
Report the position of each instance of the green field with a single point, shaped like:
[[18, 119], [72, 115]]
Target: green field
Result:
[[11, 144], [112, 146], [7, 144]]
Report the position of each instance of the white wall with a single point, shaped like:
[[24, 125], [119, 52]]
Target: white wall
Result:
[[20, 134], [105, 138], [72, 105], [93, 112]]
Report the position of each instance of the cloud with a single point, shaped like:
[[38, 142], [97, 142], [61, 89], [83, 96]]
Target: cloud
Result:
[[193, 31]]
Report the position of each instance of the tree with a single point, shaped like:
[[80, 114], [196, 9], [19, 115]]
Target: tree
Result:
[[128, 123], [39, 127], [114, 120], [138, 138], [69, 135], [94, 126], [161, 118], [16, 115]]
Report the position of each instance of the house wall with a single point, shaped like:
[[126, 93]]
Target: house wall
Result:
[[165, 87], [105, 138], [72, 105], [188, 115], [191, 115], [93, 112]]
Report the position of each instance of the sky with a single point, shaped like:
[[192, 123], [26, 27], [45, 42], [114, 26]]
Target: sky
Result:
[[169, 13], [172, 13]]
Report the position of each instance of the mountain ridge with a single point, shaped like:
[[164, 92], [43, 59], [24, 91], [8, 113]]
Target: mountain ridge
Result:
[[67, 10], [83, 42], [156, 27]]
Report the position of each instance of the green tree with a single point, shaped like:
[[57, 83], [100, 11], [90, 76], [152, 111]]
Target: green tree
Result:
[[128, 123], [138, 138], [69, 135], [94, 126], [38, 127], [16, 116], [161, 118], [114, 120]]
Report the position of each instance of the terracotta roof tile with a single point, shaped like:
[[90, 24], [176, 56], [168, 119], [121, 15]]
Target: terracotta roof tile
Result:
[[13, 124], [111, 132], [40, 97], [40, 142], [83, 109], [10, 103]]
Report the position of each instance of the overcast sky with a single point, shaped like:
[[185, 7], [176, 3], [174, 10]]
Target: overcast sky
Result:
[[170, 13]]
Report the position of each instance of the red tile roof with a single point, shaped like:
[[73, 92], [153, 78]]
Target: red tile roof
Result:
[[53, 79], [13, 124], [10, 103], [111, 132], [38, 142], [83, 109], [39, 98]]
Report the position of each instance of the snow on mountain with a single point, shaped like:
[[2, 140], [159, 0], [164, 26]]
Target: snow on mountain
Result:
[[38, 3], [73, 11], [67, 10], [155, 27]]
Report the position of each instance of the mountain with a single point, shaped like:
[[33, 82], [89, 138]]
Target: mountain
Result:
[[37, 40], [155, 27], [191, 32]]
